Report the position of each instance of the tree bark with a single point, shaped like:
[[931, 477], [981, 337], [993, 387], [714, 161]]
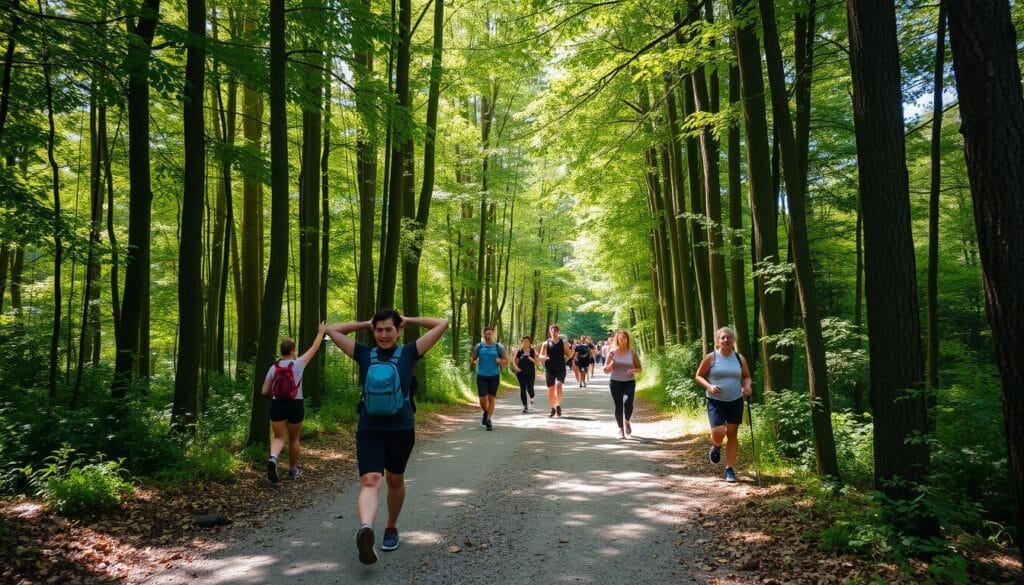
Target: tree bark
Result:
[[988, 78], [737, 279], [935, 190], [277, 271], [184, 410], [136, 278], [251, 245], [676, 205], [897, 363], [309, 217], [58, 225], [761, 196], [814, 342]]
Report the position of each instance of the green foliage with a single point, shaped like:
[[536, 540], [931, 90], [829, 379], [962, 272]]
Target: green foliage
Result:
[[446, 383], [72, 485], [677, 366], [789, 413]]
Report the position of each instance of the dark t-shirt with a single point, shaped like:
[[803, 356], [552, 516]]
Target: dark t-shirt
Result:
[[582, 354], [523, 362], [556, 355], [403, 420]]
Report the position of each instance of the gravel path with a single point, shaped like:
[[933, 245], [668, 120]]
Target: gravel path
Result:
[[537, 500]]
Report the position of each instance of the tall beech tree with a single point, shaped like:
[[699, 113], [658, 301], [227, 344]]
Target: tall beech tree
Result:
[[277, 270], [134, 301], [814, 343], [897, 362], [184, 410], [988, 80]]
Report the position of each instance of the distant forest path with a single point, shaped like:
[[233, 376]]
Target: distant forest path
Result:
[[537, 500]]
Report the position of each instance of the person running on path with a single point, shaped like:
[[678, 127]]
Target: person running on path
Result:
[[622, 365], [524, 366], [384, 443], [724, 375], [582, 361], [555, 354], [488, 357], [286, 415], [593, 355]]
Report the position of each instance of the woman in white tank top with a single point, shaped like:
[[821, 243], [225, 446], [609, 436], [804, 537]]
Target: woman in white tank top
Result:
[[726, 380]]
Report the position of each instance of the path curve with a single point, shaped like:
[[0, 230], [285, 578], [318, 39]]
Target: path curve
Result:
[[537, 500]]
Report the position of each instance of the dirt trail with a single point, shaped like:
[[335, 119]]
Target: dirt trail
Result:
[[537, 500]]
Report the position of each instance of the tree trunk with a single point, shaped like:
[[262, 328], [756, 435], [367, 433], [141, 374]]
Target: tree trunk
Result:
[[717, 293], [366, 175], [58, 225], [401, 159], [988, 76], [676, 204], [932, 302], [697, 207], [411, 268], [761, 196], [737, 280], [251, 245], [184, 410], [17, 269], [814, 343], [5, 266], [136, 277], [277, 271], [309, 221], [897, 363], [5, 80]]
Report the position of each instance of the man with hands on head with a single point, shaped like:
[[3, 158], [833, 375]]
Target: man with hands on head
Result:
[[384, 442]]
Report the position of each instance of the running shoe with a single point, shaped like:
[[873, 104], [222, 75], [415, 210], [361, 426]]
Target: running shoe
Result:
[[730, 475], [488, 424], [525, 410], [364, 542], [390, 541], [483, 421], [272, 470], [552, 413], [294, 473], [621, 435], [715, 454], [558, 410], [629, 429]]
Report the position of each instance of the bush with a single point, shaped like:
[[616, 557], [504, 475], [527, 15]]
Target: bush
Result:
[[74, 486], [677, 366]]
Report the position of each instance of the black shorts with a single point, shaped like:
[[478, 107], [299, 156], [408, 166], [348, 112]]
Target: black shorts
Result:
[[720, 413], [487, 385], [583, 364], [553, 374], [289, 410], [377, 451]]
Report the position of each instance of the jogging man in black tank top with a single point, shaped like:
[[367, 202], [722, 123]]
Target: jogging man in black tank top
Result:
[[554, 352]]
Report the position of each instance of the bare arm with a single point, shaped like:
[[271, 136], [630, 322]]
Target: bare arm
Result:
[[267, 383], [315, 347], [339, 335], [636, 363], [748, 382], [702, 371], [436, 328]]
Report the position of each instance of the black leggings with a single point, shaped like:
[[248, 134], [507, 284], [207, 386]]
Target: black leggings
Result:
[[525, 385], [623, 394]]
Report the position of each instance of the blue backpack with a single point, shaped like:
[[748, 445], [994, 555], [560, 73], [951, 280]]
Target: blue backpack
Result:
[[382, 390]]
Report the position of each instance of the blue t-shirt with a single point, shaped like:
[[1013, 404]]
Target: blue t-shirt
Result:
[[488, 354], [403, 420]]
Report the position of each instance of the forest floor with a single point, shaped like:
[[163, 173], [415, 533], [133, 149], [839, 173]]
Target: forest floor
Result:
[[749, 534]]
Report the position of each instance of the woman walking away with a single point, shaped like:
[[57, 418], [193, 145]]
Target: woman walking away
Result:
[[386, 431], [622, 365], [582, 360], [284, 385], [555, 354], [524, 365], [724, 375], [488, 357]]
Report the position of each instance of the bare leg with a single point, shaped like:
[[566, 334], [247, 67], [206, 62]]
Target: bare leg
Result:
[[369, 494], [396, 497]]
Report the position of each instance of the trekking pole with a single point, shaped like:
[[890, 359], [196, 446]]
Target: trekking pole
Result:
[[753, 444]]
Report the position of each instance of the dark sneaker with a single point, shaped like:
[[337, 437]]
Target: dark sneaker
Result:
[[558, 411], [552, 413], [730, 475], [272, 470], [525, 410], [390, 541], [364, 542], [629, 429], [715, 454], [294, 473], [488, 424], [483, 420]]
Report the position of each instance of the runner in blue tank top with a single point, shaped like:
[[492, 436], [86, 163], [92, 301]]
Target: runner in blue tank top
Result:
[[488, 357]]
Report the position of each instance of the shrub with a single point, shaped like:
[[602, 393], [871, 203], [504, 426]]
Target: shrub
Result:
[[75, 486]]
